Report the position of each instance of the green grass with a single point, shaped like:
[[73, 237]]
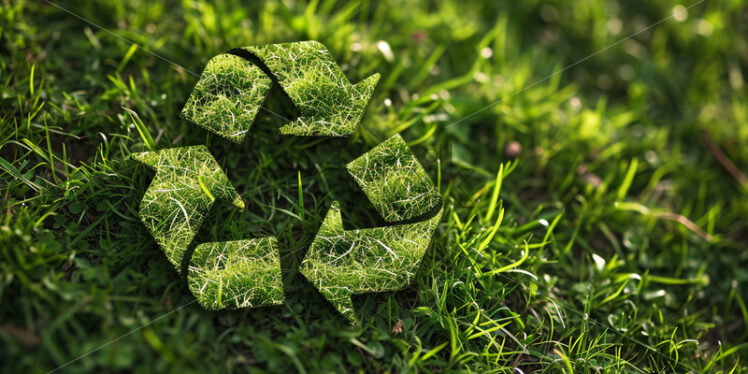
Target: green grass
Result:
[[188, 180], [394, 181], [342, 263], [236, 274], [615, 239], [227, 97], [328, 104]]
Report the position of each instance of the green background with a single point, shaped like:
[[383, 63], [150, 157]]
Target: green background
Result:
[[625, 201]]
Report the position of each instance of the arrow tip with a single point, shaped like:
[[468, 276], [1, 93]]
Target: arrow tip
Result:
[[366, 87], [238, 202], [146, 158], [339, 297], [318, 272], [343, 304], [333, 223]]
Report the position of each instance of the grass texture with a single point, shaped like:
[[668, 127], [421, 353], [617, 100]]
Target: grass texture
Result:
[[329, 105], [592, 171], [227, 97], [236, 274], [394, 181], [187, 182], [342, 263]]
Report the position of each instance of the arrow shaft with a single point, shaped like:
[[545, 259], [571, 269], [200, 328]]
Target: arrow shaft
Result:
[[227, 97], [394, 181], [236, 274]]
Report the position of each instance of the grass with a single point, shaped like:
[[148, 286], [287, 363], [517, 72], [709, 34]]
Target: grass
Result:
[[394, 181], [328, 104], [342, 263], [236, 274], [227, 97], [188, 181], [595, 221]]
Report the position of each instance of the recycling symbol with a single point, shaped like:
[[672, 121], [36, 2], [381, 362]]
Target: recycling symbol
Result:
[[339, 263]]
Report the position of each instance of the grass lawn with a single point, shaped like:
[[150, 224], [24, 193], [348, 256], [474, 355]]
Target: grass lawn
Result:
[[591, 157]]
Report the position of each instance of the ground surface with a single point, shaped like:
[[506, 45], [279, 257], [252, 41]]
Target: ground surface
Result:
[[623, 190]]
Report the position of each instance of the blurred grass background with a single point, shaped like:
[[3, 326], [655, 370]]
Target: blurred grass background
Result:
[[623, 244]]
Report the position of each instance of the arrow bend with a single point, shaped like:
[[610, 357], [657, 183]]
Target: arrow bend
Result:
[[342, 263], [231, 91], [187, 182], [329, 104], [234, 274]]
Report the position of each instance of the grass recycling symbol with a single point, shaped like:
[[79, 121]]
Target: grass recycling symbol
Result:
[[339, 263]]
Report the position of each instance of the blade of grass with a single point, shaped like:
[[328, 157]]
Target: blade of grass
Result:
[[495, 193], [142, 130], [301, 196]]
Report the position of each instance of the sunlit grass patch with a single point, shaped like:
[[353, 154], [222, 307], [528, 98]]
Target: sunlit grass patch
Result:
[[227, 97], [394, 181], [236, 274], [187, 182], [341, 263]]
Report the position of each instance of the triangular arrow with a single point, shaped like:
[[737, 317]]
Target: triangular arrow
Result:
[[187, 181], [329, 104], [341, 263]]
